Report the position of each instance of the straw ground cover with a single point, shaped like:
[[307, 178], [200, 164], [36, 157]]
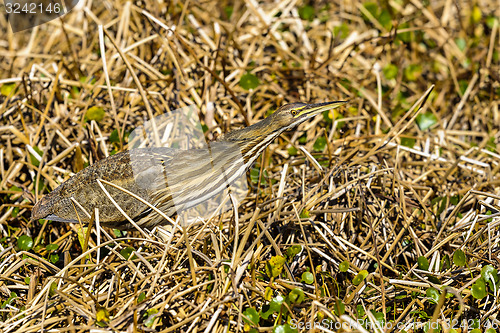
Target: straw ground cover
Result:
[[383, 212]]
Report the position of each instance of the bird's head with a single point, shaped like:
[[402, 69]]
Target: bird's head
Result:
[[291, 115], [286, 117]]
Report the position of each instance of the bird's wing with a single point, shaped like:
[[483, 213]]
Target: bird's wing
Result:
[[56, 218]]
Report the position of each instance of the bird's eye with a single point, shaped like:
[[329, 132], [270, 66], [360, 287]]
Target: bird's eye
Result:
[[294, 113]]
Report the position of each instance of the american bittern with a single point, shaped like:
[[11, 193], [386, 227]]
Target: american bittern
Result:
[[170, 179]]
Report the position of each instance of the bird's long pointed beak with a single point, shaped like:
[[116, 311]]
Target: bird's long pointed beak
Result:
[[314, 109]]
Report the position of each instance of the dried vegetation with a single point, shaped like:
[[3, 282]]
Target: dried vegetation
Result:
[[370, 212]]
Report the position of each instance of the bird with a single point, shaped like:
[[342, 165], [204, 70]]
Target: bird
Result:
[[169, 179]]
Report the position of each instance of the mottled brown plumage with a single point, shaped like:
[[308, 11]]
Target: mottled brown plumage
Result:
[[170, 179]]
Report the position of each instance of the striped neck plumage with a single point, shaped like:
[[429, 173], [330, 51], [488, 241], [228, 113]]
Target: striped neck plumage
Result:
[[252, 140]]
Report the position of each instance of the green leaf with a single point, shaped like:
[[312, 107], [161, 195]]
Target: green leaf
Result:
[[292, 151], [475, 324], [52, 247], [478, 289], [408, 142], [12, 296], [308, 277], [25, 243], [434, 279], [54, 258], [150, 315], [339, 307], [304, 214], [463, 84], [423, 263], [52, 289], [360, 310], [344, 266], [142, 297], [426, 120], [126, 252], [273, 307], [15, 188], [360, 277], [307, 12], [445, 263], [228, 10], [459, 258], [406, 242], [379, 316], [328, 116], [15, 212], [385, 19], [413, 72], [8, 89], [405, 37], [340, 124], [82, 232], [490, 275], [461, 43], [320, 144], [252, 316], [296, 296], [84, 79], [323, 162], [490, 21], [293, 250], [454, 200], [341, 31], [254, 176], [433, 295], [390, 71], [102, 315], [119, 233], [114, 137], [491, 145], [268, 293], [95, 113], [75, 91], [274, 266], [33, 159], [249, 81], [476, 14], [372, 8]]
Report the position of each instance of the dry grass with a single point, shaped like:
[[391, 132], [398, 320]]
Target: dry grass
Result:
[[371, 187]]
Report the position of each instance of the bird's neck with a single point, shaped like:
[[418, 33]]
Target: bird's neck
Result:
[[252, 140]]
